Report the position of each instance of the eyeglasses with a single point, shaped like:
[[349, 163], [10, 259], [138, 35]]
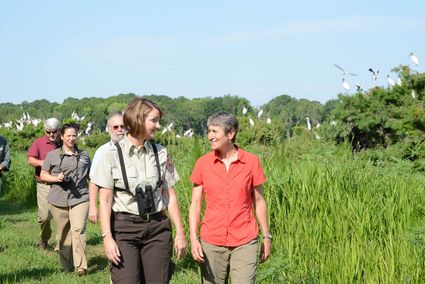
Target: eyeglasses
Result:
[[51, 131], [115, 127]]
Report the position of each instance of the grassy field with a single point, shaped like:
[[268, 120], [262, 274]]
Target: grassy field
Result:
[[335, 218]]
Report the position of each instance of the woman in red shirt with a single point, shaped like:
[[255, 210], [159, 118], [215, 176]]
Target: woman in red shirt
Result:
[[231, 181]]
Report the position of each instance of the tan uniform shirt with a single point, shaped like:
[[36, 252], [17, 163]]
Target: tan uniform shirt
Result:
[[140, 166]]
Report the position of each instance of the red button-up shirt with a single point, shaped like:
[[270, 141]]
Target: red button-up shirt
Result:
[[229, 215], [39, 149]]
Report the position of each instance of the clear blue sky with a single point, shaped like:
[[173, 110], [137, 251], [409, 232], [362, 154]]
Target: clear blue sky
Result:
[[254, 49]]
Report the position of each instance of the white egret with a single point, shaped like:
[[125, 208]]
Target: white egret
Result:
[[390, 82], [269, 121], [413, 94], [188, 133], [260, 113], [251, 122], [343, 71], [345, 85], [399, 81], [89, 128], [244, 110], [414, 58], [308, 123]]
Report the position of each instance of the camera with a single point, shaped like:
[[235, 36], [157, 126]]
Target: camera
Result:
[[66, 180], [145, 200]]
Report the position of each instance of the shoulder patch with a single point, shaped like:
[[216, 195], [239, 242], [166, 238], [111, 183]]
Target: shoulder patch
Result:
[[170, 165]]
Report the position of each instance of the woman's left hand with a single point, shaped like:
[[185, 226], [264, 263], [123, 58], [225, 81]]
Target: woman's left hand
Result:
[[180, 246]]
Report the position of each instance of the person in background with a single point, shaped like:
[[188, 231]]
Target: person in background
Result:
[[230, 179], [4, 157], [67, 169], [35, 157], [116, 130], [136, 183]]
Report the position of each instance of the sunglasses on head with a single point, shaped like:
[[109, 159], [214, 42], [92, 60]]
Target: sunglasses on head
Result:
[[115, 127]]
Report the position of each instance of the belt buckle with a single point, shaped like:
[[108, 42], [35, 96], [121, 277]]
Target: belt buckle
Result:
[[147, 217]]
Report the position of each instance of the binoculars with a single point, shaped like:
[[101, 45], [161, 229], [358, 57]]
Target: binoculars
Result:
[[145, 200]]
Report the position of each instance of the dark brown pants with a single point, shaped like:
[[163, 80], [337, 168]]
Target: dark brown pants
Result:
[[146, 249]]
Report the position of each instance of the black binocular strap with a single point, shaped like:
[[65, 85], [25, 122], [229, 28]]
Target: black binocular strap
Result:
[[124, 173]]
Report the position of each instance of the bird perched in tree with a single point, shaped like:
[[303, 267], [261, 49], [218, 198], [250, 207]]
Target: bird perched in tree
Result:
[[308, 123], [260, 113], [414, 59], [343, 71], [251, 122], [269, 121], [390, 82], [244, 110]]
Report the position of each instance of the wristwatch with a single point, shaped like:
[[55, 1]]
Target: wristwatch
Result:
[[268, 236]]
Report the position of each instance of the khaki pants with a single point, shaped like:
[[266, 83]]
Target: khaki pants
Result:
[[71, 228], [44, 211], [241, 261]]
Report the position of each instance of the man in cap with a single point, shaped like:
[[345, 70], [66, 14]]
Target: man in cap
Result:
[[36, 155], [4, 157]]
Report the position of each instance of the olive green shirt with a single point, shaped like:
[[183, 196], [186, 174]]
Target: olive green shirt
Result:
[[141, 170]]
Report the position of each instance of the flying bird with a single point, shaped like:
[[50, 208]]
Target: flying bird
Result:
[[374, 74], [359, 88], [414, 59], [343, 71]]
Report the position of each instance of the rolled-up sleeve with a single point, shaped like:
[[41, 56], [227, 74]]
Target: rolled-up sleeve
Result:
[[102, 175]]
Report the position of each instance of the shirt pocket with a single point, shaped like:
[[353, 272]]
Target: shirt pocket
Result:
[[131, 173]]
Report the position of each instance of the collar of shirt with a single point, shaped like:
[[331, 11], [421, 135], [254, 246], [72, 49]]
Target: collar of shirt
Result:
[[135, 150], [47, 140], [241, 156]]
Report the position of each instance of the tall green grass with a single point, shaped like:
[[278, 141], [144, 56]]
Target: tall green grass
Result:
[[335, 218]]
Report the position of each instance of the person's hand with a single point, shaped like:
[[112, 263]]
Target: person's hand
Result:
[[93, 214], [180, 246], [265, 251], [59, 177], [196, 249], [111, 249]]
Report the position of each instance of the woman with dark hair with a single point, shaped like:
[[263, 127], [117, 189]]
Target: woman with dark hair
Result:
[[230, 179], [67, 168], [136, 179]]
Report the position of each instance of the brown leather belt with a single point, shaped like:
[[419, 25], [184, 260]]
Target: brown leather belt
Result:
[[123, 216]]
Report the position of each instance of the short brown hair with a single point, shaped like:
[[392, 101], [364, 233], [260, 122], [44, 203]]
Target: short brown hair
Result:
[[225, 120], [135, 115]]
